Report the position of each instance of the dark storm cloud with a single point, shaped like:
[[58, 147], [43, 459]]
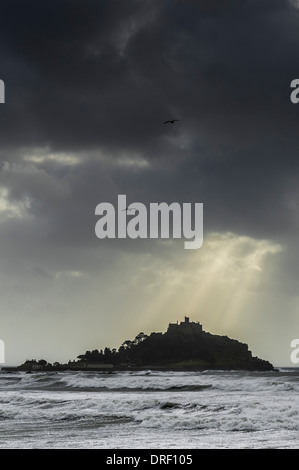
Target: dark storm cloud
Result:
[[69, 85]]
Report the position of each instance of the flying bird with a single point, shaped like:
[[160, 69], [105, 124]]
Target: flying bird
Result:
[[171, 121]]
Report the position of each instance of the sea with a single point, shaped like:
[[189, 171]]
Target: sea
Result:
[[150, 410]]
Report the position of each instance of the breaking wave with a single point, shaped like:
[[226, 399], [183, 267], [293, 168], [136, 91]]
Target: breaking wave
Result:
[[204, 405]]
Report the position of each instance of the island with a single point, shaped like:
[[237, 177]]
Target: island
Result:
[[184, 346]]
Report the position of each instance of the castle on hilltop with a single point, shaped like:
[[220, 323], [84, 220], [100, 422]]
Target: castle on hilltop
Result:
[[186, 326]]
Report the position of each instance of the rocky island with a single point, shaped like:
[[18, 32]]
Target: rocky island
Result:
[[184, 346]]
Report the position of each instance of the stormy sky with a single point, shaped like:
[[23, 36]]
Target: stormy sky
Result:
[[88, 86]]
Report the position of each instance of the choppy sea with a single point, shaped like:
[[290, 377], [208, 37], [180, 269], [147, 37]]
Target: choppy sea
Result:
[[150, 410]]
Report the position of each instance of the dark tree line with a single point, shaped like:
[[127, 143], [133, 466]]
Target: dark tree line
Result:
[[153, 349], [178, 347]]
